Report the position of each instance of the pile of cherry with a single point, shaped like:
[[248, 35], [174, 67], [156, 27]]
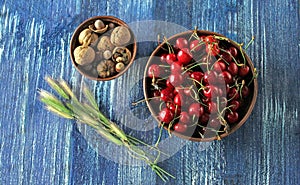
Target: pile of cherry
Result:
[[200, 85]]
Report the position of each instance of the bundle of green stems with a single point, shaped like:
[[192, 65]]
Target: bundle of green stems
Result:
[[68, 106]]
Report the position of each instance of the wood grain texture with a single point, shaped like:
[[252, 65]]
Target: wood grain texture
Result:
[[39, 148]]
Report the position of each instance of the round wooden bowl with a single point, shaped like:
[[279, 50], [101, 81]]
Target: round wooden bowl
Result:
[[132, 46], [244, 111]]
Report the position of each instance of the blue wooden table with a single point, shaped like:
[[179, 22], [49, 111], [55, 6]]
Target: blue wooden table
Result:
[[37, 147]]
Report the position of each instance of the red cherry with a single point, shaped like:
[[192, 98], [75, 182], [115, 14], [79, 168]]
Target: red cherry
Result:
[[209, 39], [204, 118], [180, 127], [178, 99], [205, 100], [210, 91], [196, 109], [245, 91], [214, 123], [194, 45], [176, 79], [154, 70], [233, 68], [184, 56], [244, 70], [219, 66], [187, 92], [197, 75], [166, 94], [174, 109], [227, 77], [176, 68], [233, 51], [170, 58], [169, 85], [227, 88], [232, 117], [234, 105], [165, 115], [212, 107], [184, 117], [156, 95], [226, 57], [212, 49], [178, 91], [233, 94], [163, 58], [181, 43], [210, 77]]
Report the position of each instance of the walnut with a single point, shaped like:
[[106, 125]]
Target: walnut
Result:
[[87, 37], [105, 44], [106, 68], [120, 36], [84, 55]]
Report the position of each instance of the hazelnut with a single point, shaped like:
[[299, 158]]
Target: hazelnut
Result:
[[87, 37], [105, 44], [84, 55], [106, 68], [120, 67], [99, 24], [120, 36], [107, 54], [111, 25]]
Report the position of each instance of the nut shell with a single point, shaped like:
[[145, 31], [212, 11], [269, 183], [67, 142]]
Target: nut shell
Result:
[[84, 55], [99, 24], [120, 36], [121, 54]]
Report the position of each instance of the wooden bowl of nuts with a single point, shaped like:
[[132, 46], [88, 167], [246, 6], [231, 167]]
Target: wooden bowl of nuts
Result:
[[102, 48], [200, 85]]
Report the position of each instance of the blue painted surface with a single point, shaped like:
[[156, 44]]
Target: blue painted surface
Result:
[[39, 148]]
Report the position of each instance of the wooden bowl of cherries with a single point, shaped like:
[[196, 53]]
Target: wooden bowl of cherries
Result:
[[200, 85]]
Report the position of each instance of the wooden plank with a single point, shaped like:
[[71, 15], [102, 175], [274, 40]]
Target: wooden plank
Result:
[[39, 148]]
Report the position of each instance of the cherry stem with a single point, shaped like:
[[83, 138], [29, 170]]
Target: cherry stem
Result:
[[249, 43], [171, 50], [166, 66], [220, 38], [241, 87], [194, 34], [143, 100], [160, 105], [242, 52], [200, 83], [186, 70], [159, 135], [255, 74], [198, 45], [235, 61]]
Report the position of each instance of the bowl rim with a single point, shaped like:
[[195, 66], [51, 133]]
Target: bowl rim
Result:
[[241, 122], [82, 25]]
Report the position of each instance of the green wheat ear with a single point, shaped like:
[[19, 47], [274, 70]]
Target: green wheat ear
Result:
[[88, 113]]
